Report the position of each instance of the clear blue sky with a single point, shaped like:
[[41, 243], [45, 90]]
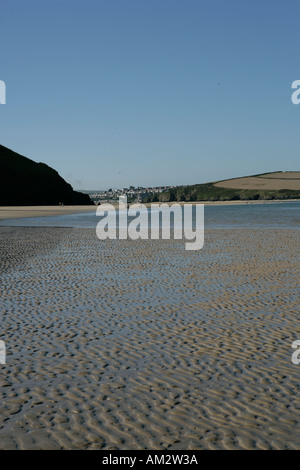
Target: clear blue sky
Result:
[[113, 93]]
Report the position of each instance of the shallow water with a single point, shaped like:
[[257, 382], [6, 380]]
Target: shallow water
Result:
[[272, 215]]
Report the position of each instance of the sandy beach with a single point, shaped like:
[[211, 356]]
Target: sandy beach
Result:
[[18, 212], [149, 228], [143, 345]]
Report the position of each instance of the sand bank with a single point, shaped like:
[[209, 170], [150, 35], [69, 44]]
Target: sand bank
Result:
[[232, 203], [16, 212], [143, 345]]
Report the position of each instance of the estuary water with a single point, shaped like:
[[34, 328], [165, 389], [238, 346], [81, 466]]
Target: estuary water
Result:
[[248, 215]]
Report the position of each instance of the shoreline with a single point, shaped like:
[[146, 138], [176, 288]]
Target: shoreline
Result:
[[228, 203], [24, 212]]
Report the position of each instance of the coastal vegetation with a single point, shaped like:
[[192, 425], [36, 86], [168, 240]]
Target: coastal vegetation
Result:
[[248, 189]]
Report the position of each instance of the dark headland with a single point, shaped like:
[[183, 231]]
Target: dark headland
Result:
[[25, 182]]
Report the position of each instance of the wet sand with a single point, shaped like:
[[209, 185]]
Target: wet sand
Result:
[[143, 345], [17, 212]]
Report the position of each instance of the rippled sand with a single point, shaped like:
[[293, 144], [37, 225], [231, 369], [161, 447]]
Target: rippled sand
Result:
[[143, 345]]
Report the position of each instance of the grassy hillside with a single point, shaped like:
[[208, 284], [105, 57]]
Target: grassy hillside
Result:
[[25, 182], [265, 186]]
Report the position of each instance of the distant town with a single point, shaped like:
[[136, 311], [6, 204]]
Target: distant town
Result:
[[134, 194]]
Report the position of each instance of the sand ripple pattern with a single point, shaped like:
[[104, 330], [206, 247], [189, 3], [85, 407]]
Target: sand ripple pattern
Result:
[[143, 345]]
